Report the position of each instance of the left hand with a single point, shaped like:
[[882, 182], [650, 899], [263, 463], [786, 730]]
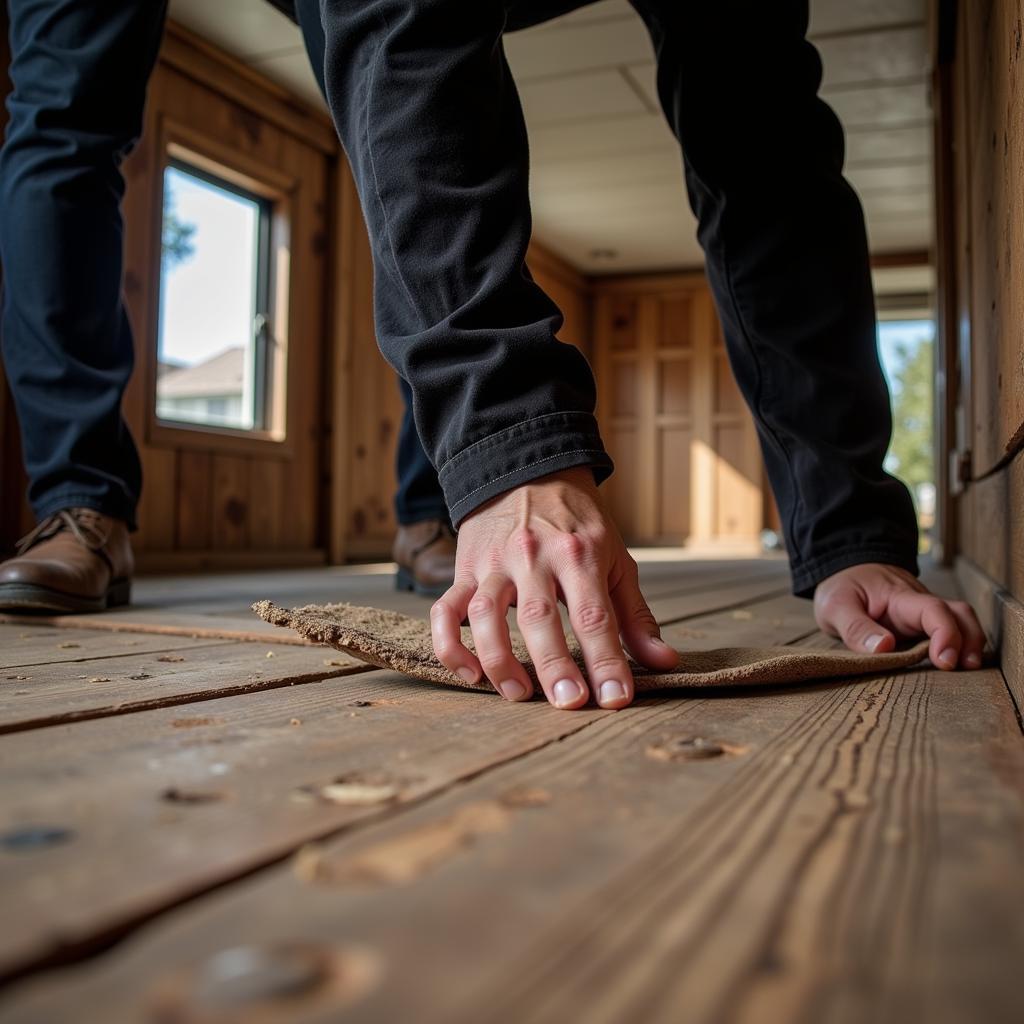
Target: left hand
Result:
[[868, 606]]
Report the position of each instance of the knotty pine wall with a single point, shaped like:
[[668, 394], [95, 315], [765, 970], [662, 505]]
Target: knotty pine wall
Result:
[[984, 329], [979, 90]]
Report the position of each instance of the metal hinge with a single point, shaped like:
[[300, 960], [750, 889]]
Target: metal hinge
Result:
[[960, 470]]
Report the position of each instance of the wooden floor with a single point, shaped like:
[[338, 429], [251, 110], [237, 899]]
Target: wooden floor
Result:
[[203, 822]]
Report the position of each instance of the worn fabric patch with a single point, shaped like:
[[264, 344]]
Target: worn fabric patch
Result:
[[391, 640]]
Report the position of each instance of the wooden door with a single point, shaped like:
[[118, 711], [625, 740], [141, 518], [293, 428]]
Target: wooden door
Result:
[[687, 465]]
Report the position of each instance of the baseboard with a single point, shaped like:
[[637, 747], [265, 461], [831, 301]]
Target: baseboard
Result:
[[1002, 617], [154, 562]]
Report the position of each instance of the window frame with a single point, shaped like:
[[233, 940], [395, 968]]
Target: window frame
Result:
[[198, 154]]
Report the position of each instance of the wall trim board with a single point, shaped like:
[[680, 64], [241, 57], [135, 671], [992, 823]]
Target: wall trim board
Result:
[[199, 59], [157, 562], [636, 283], [1002, 618]]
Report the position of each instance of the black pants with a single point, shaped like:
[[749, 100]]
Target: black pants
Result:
[[428, 113], [79, 72], [427, 110]]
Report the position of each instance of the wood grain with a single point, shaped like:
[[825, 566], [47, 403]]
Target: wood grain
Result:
[[404, 735], [828, 868], [42, 695]]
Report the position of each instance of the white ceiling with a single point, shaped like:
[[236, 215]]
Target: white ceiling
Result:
[[606, 172]]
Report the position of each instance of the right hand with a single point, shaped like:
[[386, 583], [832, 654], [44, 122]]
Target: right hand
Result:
[[550, 540]]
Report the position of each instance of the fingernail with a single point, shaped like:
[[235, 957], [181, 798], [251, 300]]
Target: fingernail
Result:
[[566, 692], [612, 692], [872, 642], [948, 658], [973, 661], [512, 689], [657, 640], [467, 675]]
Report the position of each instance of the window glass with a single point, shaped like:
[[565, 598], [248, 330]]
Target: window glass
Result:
[[908, 359], [213, 289]]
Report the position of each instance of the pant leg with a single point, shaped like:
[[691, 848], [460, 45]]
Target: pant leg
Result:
[[419, 495], [79, 73], [787, 259], [426, 108]]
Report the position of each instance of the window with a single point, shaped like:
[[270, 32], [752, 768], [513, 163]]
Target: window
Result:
[[906, 347], [213, 363]]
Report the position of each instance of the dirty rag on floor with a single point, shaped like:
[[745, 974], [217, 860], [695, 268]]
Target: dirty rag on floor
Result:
[[391, 640]]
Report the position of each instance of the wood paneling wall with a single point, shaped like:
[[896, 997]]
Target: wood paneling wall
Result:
[[980, 112], [210, 498], [989, 145], [688, 465]]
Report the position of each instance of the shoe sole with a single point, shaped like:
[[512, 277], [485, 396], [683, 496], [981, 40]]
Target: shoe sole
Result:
[[404, 580], [29, 597]]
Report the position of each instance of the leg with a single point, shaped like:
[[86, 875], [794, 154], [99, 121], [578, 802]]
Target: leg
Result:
[[424, 102], [424, 546], [79, 74], [419, 496], [787, 258]]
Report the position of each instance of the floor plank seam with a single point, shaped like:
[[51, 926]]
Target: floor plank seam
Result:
[[125, 654], [715, 609], [70, 717]]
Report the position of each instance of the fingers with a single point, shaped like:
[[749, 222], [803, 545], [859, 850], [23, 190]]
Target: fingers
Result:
[[844, 615], [488, 609], [973, 635], [596, 627], [637, 625], [541, 626], [446, 616], [925, 613]]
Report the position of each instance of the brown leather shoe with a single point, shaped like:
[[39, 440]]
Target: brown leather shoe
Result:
[[76, 560], [425, 553]]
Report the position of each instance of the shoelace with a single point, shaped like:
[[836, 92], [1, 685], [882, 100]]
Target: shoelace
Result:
[[80, 522]]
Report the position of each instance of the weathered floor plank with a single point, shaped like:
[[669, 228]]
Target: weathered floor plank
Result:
[[830, 872], [215, 783], [23, 647], [856, 858], [853, 854], [55, 694]]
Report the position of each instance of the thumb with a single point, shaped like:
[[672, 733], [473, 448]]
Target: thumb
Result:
[[638, 627], [843, 614]]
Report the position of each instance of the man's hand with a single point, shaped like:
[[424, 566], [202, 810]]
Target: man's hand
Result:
[[869, 605], [548, 541]]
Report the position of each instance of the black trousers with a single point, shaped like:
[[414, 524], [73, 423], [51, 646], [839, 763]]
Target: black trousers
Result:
[[428, 113]]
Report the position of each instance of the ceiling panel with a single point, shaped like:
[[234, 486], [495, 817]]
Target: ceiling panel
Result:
[[292, 70], [867, 179], [561, 51], [594, 94], [625, 170], [897, 145], [606, 170], [829, 16], [246, 28], [604, 10], [881, 105], [882, 56], [587, 139], [900, 234]]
